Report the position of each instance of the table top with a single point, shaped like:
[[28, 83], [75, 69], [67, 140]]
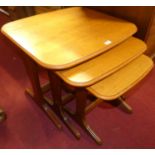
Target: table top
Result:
[[121, 81], [67, 37], [103, 65]]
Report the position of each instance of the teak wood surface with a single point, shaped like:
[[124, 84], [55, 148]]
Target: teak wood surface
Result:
[[121, 81], [103, 65], [142, 16], [67, 37]]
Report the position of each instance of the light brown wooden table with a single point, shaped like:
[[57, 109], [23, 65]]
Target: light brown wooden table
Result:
[[63, 39]]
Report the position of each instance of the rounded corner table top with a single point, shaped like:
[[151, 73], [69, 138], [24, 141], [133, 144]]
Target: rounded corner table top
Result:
[[121, 81], [96, 69], [67, 37]]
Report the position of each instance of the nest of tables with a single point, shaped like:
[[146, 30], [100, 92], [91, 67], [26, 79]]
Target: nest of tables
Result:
[[90, 55]]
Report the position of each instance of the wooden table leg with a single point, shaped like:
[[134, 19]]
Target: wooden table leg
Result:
[[32, 71], [80, 115], [121, 104], [56, 90], [2, 115]]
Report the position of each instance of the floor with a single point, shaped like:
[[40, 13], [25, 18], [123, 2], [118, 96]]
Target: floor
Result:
[[27, 126]]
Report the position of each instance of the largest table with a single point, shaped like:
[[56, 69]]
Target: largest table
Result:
[[62, 39]]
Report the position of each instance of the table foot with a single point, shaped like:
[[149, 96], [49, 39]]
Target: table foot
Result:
[[120, 103], [47, 109], [84, 125], [68, 124], [90, 131]]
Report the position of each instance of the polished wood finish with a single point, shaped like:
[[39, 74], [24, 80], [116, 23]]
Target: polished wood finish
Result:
[[121, 81], [103, 65], [142, 16], [70, 36]]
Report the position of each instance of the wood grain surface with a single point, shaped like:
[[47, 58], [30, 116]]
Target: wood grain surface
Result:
[[64, 38], [121, 81], [103, 65]]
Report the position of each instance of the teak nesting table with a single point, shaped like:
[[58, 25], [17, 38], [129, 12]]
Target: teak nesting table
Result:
[[84, 52]]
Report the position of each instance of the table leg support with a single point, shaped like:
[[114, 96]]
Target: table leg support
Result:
[[37, 94], [56, 90], [121, 104], [79, 115]]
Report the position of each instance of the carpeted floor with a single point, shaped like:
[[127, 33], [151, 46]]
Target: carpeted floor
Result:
[[28, 127]]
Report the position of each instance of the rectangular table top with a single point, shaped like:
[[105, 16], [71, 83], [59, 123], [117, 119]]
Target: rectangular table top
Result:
[[67, 37], [124, 79], [105, 64]]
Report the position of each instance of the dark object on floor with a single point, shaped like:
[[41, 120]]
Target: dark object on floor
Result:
[[2, 115]]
